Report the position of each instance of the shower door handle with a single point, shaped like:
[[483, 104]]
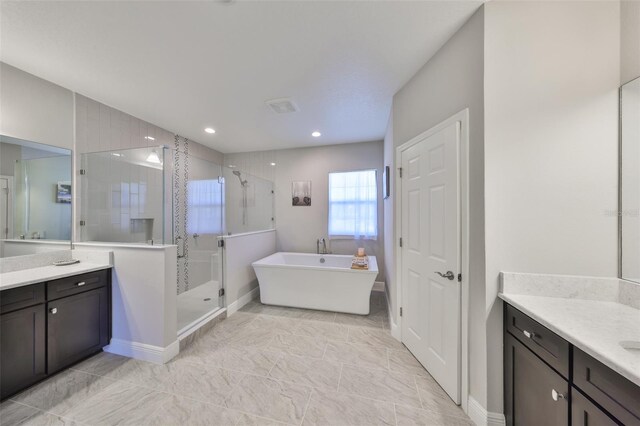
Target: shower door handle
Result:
[[178, 241]]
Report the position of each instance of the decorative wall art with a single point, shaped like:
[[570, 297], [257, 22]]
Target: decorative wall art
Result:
[[63, 192], [301, 193]]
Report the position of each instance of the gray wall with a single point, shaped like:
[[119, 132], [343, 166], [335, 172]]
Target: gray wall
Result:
[[451, 81], [629, 40], [551, 147], [298, 228], [34, 109]]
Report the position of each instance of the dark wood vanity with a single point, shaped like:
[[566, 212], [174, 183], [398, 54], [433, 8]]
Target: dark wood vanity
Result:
[[48, 326], [548, 381]]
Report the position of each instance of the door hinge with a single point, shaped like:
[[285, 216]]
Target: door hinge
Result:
[[221, 292], [459, 278], [400, 170], [83, 223], [83, 172], [220, 243], [400, 311], [400, 241]]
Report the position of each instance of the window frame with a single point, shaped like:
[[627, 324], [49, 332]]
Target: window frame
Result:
[[377, 183]]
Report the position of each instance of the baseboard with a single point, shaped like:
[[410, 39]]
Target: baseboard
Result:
[[142, 351], [243, 300], [378, 286], [393, 327], [481, 417]]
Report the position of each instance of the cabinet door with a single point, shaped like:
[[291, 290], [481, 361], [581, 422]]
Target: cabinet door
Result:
[[585, 413], [22, 344], [534, 393], [78, 327]]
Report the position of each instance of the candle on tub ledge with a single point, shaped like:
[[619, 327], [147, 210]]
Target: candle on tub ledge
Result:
[[360, 251]]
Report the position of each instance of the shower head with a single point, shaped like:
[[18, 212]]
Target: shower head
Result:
[[242, 182]]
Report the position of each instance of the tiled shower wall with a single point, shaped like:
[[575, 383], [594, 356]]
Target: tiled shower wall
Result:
[[100, 128]]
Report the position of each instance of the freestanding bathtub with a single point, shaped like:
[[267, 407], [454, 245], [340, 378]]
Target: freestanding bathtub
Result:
[[315, 281]]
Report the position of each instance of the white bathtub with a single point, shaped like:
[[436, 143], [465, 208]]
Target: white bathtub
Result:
[[315, 281]]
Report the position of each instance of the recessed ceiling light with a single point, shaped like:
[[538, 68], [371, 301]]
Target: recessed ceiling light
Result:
[[117, 154], [231, 166], [316, 134], [209, 130], [151, 138], [273, 164]]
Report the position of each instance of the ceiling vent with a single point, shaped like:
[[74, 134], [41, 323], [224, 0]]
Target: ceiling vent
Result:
[[282, 105]]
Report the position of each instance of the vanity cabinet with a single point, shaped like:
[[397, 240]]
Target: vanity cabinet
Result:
[[49, 326], [548, 381]]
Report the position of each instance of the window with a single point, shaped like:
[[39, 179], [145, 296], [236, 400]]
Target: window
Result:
[[353, 204], [205, 207]]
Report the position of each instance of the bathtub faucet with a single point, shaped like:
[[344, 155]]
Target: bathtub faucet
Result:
[[321, 246]]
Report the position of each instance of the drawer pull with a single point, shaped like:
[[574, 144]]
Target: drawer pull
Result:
[[556, 396], [80, 284], [53, 311], [529, 334]]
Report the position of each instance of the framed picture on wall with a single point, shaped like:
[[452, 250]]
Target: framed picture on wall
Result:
[[63, 192], [386, 183], [301, 193]]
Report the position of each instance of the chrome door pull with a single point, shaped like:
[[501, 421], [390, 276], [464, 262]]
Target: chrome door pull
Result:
[[448, 275], [80, 284], [557, 396], [53, 311], [529, 334]]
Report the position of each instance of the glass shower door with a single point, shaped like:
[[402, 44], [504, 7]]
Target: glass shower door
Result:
[[196, 233]]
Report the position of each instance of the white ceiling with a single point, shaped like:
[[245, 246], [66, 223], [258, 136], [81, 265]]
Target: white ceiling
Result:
[[187, 65]]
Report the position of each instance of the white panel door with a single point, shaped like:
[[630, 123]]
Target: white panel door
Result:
[[431, 247]]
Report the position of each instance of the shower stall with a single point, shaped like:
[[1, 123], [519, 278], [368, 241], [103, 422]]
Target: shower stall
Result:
[[157, 196]]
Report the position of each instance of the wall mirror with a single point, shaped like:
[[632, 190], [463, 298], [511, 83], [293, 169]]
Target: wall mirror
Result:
[[630, 181], [35, 197]]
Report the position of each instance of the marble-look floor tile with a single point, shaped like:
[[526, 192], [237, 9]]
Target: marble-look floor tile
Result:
[[362, 355], [379, 384], [329, 330], [255, 307], [203, 383], [62, 392], [249, 420], [255, 337], [308, 314], [118, 367], [13, 413], [167, 409], [435, 399], [373, 337], [281, 325], [116, 405], [307, 371], [270, 398], [403, 361], [46, 419], [241, 358], [419, 417], [312, 347], [360, 320], [331, 408]]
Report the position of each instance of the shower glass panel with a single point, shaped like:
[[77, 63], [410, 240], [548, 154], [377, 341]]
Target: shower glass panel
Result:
[[123, 196], [249, 202], [198, 222]]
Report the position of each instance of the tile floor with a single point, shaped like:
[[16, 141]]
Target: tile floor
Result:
[[262, 366]]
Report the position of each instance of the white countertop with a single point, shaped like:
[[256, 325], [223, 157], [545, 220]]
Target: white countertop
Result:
[[595, 326], [46, 273]]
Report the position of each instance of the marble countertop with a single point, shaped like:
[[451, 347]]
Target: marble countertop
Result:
[[594, 326], [46, 273], [38, 268]]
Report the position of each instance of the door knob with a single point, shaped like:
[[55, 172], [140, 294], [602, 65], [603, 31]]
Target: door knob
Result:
[[556, 396], [53, 311], [448, 275]]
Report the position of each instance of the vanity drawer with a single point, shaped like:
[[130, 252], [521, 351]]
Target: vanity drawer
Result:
[[21, 297], [616, 394], [553, 349], [76, 284]]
